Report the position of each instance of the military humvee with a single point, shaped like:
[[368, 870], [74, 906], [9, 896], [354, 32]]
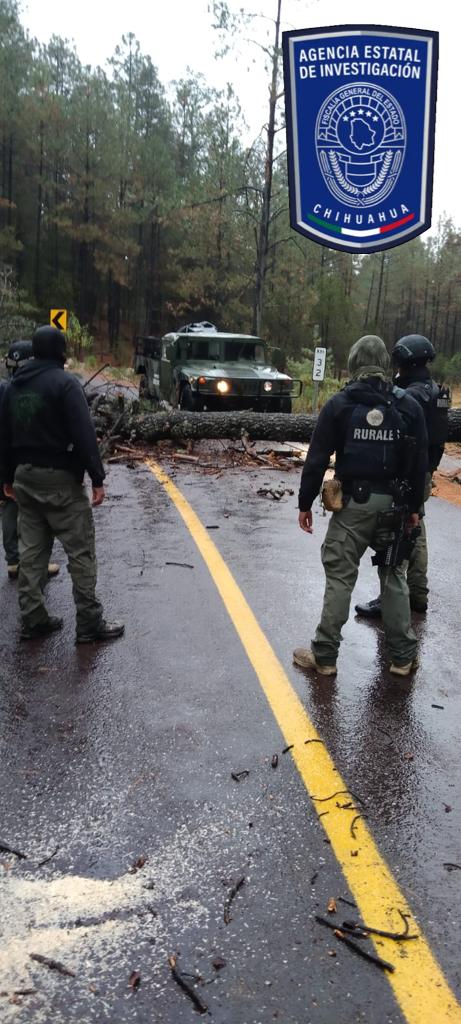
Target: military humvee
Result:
[[199, 368]]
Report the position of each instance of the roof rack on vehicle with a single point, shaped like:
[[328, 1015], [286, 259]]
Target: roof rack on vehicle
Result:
[[204, 327]]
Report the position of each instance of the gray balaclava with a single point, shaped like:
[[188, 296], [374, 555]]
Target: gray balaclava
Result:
[[369, 357]]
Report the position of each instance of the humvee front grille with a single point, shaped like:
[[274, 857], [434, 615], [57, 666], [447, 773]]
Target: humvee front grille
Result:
[[244, 387]]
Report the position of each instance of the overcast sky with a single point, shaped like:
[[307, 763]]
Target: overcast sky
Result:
[[178, 34]]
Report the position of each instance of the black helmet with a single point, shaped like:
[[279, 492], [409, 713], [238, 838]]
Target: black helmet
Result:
[[413, 350], [49, 343], [17, 353]]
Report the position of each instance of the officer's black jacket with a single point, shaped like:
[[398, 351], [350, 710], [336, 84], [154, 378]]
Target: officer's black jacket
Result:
[[45, 421], [419, 383], [330, 432]]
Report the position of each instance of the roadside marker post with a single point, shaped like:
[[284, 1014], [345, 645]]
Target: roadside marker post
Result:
[[318, 374]]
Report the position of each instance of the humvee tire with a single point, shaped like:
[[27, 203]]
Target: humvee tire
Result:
[[187, 399]]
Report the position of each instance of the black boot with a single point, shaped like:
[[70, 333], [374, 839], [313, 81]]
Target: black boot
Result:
[[372, 610], [41, 629], [103, 631]]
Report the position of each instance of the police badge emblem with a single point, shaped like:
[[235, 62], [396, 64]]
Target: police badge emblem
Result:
[[360, 106], [375, 417], [360, 145]]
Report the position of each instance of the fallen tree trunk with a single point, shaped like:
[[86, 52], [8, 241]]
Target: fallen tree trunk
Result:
[[186, 426], [147, 428], [454, 425]]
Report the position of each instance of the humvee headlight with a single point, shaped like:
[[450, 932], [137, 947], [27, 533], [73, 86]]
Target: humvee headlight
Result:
[[268, 385], [202, 380], [223, 387]]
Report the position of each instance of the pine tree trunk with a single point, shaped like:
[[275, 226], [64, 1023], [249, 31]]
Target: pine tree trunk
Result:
[[257, 426], [263, 239], [454, 425], [38, 227], [185, 426]]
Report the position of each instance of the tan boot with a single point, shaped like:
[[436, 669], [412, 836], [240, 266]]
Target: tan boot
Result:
[[404, 670], [13, 571], [305, 658]]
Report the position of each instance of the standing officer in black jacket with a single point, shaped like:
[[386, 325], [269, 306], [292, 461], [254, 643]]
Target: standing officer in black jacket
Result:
[[47, 442], [17, 353], [410, 357], [371, 426]]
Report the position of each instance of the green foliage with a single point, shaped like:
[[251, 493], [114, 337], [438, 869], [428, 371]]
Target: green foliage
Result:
[[327, 388], [15, 311], [447, 370], [303, 371], [79, 339]]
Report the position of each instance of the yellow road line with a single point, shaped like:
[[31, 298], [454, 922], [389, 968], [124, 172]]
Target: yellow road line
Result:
[[419, 985]]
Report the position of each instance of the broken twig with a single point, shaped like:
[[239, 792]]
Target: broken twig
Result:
[[54, 965], [323, 799], [46, 859], [348, 902], [5, 848], [236, 776], [231, 897], [20, 992], [333, 925], [383, 964], [352, 829], [353, 926], [179, 979]]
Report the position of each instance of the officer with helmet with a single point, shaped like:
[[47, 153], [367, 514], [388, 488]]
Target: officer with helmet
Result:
[[17, 353], [47, 442], [379, 436], [410, 357]]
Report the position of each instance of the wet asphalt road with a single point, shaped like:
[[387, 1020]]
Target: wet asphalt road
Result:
[[113, 754]]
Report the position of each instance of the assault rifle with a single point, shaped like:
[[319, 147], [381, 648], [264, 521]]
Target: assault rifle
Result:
[[398, 541]]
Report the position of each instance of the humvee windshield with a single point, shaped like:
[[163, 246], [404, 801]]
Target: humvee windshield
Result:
[[203, 348], [228, 351], [251, 351]]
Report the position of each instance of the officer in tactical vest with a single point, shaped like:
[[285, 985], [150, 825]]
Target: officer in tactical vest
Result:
[[379, 436], [47, 442], [17, 353], [410, 358]]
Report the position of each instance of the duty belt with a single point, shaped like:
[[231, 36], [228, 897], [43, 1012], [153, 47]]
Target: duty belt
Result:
[[374, 488], [360, 490]]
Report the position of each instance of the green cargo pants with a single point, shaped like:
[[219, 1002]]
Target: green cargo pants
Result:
[[52, 504], [417, 565], [350, 532]]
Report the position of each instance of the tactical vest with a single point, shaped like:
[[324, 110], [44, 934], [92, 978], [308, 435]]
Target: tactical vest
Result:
[[374, 439], [435, 400]]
